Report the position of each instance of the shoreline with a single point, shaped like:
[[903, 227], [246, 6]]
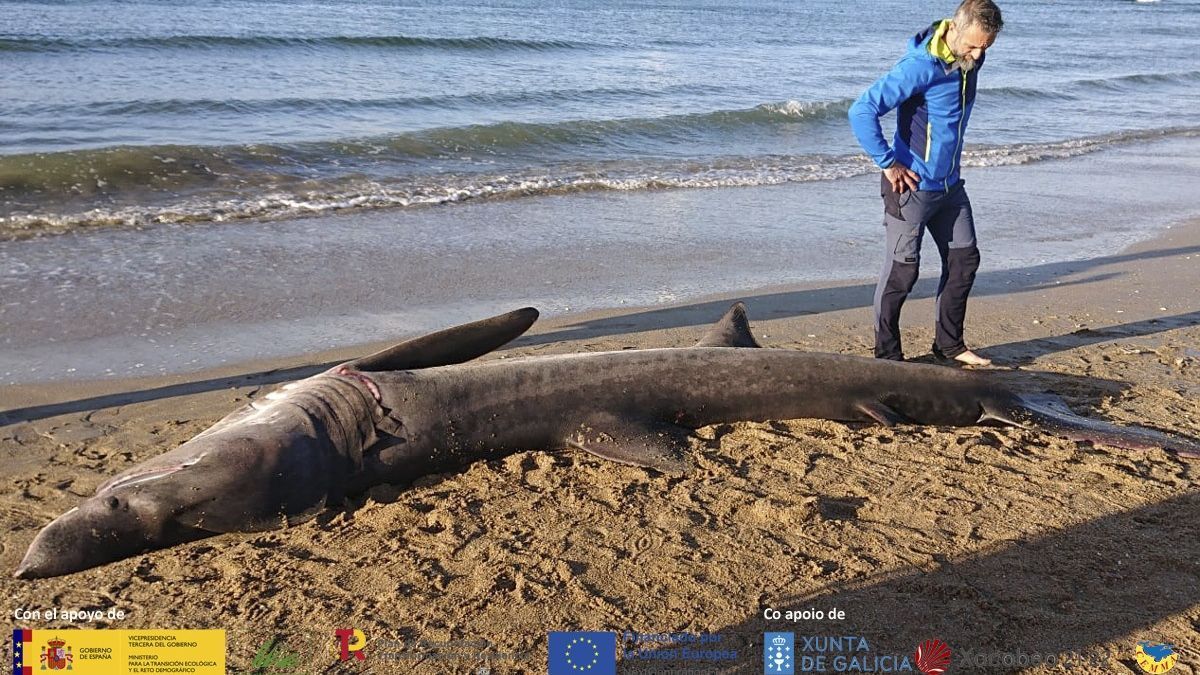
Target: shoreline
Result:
[[109, 305], [805, 314], [149, 210]]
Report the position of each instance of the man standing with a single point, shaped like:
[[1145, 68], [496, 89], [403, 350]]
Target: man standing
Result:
[[933, 87]]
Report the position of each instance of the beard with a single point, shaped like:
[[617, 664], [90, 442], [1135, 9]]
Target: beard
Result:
[[964, 61]]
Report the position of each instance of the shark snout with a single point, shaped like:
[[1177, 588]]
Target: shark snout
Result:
[[51, 553], [30, 569], [99, 531]]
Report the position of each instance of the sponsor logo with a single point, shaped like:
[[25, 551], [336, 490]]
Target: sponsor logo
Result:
[[778, 653], [1155, 657], [932, 657], [21, 640], [56, 656], [350, 644], [582, 653], [272, 657], [845, 654], [104, 650]]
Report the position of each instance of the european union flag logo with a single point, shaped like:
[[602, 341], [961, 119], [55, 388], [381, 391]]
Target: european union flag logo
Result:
[[583, 653], [778, 652]]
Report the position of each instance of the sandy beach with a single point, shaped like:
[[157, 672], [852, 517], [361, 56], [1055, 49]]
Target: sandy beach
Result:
[[1011, 546]]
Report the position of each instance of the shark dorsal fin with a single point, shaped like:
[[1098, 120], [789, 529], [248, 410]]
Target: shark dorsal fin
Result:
[[453, 345], [733, 330]]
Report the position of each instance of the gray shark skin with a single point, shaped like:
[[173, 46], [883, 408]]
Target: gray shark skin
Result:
[[421, 407]]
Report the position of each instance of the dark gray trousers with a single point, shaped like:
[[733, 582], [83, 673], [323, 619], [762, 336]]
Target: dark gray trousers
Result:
[[947, 216]]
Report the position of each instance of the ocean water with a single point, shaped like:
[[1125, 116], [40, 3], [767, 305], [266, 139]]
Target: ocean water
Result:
[[126, 113]]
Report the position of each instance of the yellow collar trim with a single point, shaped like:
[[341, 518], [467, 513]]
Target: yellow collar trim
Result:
[[937, 44]]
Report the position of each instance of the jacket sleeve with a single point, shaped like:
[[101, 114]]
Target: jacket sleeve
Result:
[[906, 78]]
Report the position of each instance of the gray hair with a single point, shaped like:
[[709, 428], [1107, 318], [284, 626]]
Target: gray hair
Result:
[[982, 13]]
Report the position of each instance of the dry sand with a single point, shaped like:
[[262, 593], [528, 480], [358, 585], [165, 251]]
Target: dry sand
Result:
[[1000, 542]]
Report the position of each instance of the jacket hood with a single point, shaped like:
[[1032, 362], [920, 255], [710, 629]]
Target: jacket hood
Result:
[[918, 45]]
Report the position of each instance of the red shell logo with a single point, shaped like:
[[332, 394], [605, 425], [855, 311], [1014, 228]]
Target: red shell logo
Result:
[[932, 657]]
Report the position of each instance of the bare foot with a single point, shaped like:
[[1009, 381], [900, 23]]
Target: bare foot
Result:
[[972, 359]]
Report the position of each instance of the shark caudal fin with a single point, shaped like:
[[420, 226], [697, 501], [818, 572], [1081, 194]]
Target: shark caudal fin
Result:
[[1051, 413], [733, 330], [453, 345]]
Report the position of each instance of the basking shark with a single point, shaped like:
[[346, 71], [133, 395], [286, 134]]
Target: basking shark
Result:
[[425, 406]]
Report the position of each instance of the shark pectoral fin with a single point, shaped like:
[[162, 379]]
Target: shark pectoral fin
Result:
[[733, 330], [453, 345], [999, 417], [880, 413], [650, 445]]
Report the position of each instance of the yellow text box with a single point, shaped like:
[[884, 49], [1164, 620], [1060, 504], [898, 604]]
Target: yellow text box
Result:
[[99, 651]]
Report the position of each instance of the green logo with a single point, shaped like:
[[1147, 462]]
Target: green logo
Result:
[[273, 658]]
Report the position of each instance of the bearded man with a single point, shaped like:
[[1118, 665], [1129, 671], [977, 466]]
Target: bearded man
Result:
[[932, 89]]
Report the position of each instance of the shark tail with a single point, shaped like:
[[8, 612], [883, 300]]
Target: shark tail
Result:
[[1050, 412]]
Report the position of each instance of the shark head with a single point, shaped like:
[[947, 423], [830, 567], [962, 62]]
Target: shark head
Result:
[[257, 470], [272, 463], [117, 522]]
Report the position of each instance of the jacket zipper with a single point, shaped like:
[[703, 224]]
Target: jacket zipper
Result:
[[928, 139], [961, 116]]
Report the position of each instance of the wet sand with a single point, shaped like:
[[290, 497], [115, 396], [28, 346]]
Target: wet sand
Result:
[[1003, 543]]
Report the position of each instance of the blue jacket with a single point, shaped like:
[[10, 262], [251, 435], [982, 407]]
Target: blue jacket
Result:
[[934, 98]]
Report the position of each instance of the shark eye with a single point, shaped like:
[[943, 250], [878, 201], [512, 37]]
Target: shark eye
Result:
[[112, 502]]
